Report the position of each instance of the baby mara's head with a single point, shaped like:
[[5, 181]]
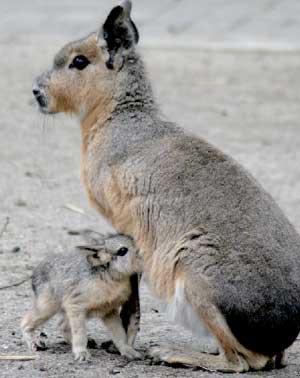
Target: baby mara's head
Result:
[[114, 254]]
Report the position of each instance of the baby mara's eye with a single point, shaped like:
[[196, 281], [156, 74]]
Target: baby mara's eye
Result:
[[122, 251], [79, 62]]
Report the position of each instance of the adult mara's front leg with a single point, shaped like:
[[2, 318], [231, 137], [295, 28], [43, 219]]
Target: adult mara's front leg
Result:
[[131, 313], [119, 337]]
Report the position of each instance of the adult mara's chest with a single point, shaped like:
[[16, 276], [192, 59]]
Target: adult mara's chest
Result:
[[108, 190]]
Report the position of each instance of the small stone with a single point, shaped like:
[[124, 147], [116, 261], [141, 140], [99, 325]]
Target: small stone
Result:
[[114, 372], [16, 249], [21, 203], [122, 364], [73, 232], [40, 346], [20, 367]]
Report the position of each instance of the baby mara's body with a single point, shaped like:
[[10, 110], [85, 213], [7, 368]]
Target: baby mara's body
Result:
[[93, 281]]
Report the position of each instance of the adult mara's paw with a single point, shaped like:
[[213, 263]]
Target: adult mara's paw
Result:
[[130, 353]]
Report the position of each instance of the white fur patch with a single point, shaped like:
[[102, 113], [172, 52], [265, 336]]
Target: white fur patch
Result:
[[180, 311], [82, 113]]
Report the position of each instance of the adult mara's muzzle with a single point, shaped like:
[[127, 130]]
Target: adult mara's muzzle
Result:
[[40, 97]]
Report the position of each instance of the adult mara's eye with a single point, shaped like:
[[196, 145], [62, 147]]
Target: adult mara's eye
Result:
[[79, 62], [122, 251]]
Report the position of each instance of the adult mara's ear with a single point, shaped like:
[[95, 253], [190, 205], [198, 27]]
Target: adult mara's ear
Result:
[[118, 32]]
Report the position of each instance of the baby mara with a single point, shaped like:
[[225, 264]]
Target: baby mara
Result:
[[93, 281]]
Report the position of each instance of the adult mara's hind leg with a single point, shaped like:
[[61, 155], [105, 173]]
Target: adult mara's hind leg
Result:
[[228, 360], [280, 360], [204, 361], [233, 356]]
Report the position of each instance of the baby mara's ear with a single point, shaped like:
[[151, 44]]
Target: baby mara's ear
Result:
[[92, 237], [118, 34], [95, 255]]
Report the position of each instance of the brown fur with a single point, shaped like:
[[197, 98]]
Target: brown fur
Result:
[[215, 245]]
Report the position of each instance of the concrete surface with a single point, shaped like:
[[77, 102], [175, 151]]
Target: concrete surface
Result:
[[244, 101]]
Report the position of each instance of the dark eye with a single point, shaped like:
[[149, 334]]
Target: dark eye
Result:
[[122, 251], [95, 255], [79, 62]]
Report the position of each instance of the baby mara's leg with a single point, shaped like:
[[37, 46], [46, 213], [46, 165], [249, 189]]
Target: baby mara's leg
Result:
[[114, 324], [44, 307], [65, 327], [67, 335], [77, 321]]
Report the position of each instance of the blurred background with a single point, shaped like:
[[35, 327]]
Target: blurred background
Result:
[[226, 70], [266, 24]]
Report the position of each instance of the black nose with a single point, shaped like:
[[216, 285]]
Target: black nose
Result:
[[40, 97]]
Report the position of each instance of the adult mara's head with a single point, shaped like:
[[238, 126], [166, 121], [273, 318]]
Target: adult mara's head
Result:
[[85, 73]]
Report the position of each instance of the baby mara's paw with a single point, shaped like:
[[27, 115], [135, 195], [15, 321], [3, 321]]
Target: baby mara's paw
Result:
[[38, 343], [82, 356]]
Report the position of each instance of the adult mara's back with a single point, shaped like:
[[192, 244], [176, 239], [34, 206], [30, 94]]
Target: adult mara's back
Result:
[[216, 247]]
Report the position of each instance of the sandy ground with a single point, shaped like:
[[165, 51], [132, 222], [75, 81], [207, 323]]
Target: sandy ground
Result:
[[246, 103]]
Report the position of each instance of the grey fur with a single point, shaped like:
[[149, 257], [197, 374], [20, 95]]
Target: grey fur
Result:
[[201, 221], [185, 183], [79, 284]]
